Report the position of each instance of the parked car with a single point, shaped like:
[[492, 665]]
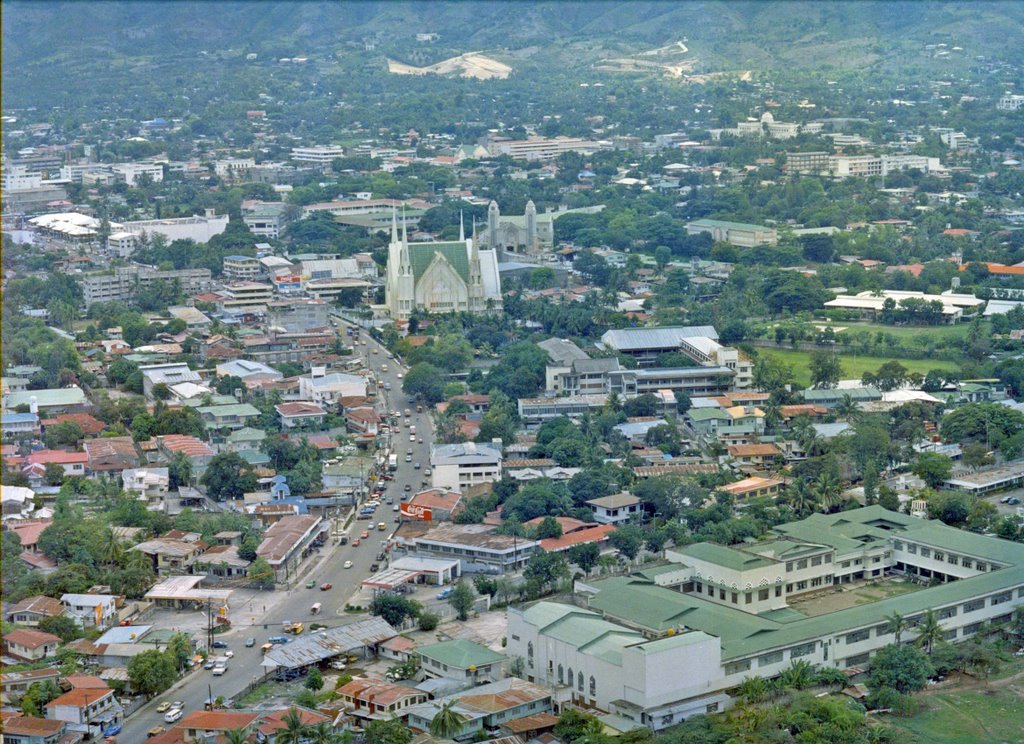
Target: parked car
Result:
[[310, 584], [219, 644], [445, 593], [164, 706], [407, 488], [155, 731], [355, 543], [374, 567], [250, 642], [364, 534], [1013, 501], [347, 564]]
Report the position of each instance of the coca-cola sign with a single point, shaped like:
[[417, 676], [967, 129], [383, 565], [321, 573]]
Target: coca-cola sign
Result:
[[415, 511]]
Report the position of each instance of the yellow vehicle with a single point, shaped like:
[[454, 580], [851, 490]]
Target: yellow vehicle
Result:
[[381, 526], [266, 647], [295, 628]]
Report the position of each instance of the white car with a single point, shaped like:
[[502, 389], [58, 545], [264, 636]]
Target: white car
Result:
[[399, 375], [229, 654], [348, 564], [174, 714], [219, 670], [412, 437]]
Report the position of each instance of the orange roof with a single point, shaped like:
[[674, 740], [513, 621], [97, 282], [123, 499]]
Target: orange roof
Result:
[[275, 721], [79, 698], [19, 725], [998, 268], [58, 457], [752, 484], [29, 532], [568, 524], [377, 691], [437, 498], [188, 445], [753, 450], [89, 424], [579, 537], [86, 682], [216, 720]]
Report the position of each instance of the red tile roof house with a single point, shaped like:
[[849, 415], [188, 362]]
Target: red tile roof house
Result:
[[31, 645], [376, 699], [73, 462], [111, 455], [270, 724], [201, 725], [86, 710], [90, 425], [362, 420], [31, 610], [31, 730], [300, 413]]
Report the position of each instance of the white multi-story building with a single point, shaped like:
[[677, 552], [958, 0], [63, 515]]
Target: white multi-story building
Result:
[[319, 154], [200, 227], [726, 612], [456, 467], [242, 268], [1010, 102], [132, 172]]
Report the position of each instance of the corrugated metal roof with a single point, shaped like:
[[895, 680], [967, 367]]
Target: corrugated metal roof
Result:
[[329, 643], [635, 339]]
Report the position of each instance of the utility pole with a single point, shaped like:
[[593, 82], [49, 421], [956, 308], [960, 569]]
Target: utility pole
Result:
[[209, 626]]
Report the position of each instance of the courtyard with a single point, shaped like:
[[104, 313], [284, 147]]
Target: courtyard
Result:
[[853, 594]]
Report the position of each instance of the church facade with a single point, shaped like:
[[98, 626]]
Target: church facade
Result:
[[440, 277], [530, 234]]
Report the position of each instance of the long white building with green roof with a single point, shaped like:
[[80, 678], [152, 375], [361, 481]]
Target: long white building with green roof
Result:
[[670, 642], [440, 277]]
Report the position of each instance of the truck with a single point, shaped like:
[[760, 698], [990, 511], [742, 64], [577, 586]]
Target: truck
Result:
[[392, 463]]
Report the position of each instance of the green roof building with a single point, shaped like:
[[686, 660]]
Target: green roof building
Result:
[[462, 660]]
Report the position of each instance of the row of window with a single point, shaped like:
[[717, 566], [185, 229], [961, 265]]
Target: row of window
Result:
[[815, 560], [579, 679], [938, 555], [748, 597]]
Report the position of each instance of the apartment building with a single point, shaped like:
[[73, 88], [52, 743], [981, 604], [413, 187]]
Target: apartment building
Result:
[[319, 154], [727, 613], [647, 344], [241, 268], [866, 166], [125, 282], [807, 162], [132, 173], [266, 219], [535, 411], [456, 467], [246, 296], [297, 315], [540, 148]]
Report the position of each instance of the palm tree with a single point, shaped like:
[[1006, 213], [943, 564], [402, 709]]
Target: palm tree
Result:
[[294, 731], [111, 551], [136, 559], [846, 408], [897, 624], [801, 497], [929, 631], [753, 690], [828, 492], [322, 733], [236, 736], [447, 722]]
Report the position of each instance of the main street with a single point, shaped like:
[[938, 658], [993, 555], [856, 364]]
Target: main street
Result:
[[294, 605]]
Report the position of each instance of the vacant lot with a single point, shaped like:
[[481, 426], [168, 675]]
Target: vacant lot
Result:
[[944, 332], [957, 716], [853, 365]]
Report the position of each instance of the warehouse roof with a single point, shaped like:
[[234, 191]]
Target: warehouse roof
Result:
[[326, 644], [460, 654], [637, 339]]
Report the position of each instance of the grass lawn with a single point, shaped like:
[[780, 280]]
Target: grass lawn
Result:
[[965, 717], [854, 365], [958, 330]]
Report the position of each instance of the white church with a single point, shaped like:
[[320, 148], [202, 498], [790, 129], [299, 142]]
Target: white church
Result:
[[440, 277]]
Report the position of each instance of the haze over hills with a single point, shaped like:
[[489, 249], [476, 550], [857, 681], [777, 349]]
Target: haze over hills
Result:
[[721, 34]]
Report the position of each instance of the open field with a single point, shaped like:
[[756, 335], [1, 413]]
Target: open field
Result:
[[853, 365], [957, 716], [943, 332], [469, 65]]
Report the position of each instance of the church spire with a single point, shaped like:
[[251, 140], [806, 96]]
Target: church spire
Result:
[[462, 227], [405, 231], [394, 224]]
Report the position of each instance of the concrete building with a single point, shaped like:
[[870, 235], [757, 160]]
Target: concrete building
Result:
[[172, 373], [616, 509], [867, 166], [540, 148], [132, 173], [22, 729], [122, 284], [460, 660], [725, 613], [321, 155], [457, 467], [440, 277], [266, 219], [199, 228], [535, 411], [297, 315], [90, 711], [288, 541], [30, 645], [91, 610], [529, 234], [492, 707], [1010, 102], [736, 233], [871, 304], [477, 547], [325, 388], [242, 268]]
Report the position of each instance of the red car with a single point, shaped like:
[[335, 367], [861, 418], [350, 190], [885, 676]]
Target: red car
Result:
[[326, 587], [355, 543], [364, 534]]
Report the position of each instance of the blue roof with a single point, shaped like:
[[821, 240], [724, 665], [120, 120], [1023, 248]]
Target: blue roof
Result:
[[19, 418]]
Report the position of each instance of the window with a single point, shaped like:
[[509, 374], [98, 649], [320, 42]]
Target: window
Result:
[[828, 558], [981, 566], [789, 566], [735, 598], [569, 677], [926, 552], [579, 682], [939, 555], [801, 585], [561, 674], [971, 629], [711, 590], [974, 605], [947, 612], [816, 581], [748, 597], [699, 587], [762, 595], [529, 653], [858, 635], [802, 563], [1001, 598], [967, 563], [711, 708], [816, 560], [805, 649], [949, 635], [857, 660], [734, 667], [844, 564], [778, 591], [767, 659], [593, 686], [897, 544], [911, 548], [721, 594], [789, 588], [952, 559]]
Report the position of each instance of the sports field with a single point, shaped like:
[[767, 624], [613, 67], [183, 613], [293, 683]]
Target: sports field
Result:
[[854, 365]]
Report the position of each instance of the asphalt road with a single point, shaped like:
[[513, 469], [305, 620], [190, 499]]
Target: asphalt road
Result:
[[295, 604]]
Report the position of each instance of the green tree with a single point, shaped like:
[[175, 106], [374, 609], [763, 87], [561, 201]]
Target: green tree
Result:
[[424, 381], [261, 573], [314, 680], [33, 702], [896, 624], [294, 731], [152, 672], [548, 528], [461, 599], [228, 476], [391, 731], [61, 625], [799, 675], [585, 556], [902, 668], [929, 631], [394, 608], [574, 724], [544, 569], [826, 369], [428, 620], [53, 474], [447, 722], [628, 540], [933, 468]]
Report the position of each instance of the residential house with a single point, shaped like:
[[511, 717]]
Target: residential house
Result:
[[149, 484], [477, 547], [171, 556], [31, 610], [232, 416], [91, 610], [486, 708], [30, 645], [211, 725], [321, 387], [271, 725], [761, 456], [300, 414], [111, 455], [19, 729], [754, 487], [89, 711], [615, 509], [15, 425], [168, 374], [375, 699], [461, 660]]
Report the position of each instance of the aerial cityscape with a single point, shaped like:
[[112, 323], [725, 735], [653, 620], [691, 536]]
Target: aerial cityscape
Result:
[[517, 372]]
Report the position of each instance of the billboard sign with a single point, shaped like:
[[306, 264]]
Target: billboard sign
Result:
[[414, 511]]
